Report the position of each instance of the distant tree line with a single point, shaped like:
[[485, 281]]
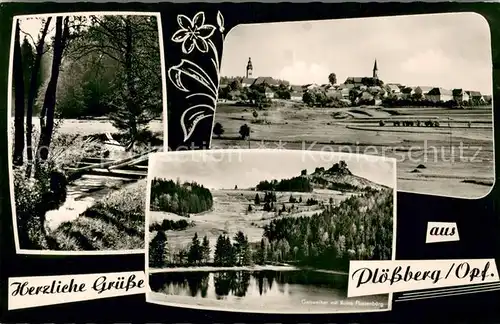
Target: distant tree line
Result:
[[319, 98], [181, 199], [254, 95], [360, 227], [226, 253], [297, 184], [170, 225]]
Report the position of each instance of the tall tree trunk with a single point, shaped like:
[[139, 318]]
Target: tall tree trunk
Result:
[[19, 100], [132, 94], [33, 87], [49, 103]]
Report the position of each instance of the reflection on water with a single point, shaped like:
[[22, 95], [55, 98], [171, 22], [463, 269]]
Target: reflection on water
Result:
[[258, 288]]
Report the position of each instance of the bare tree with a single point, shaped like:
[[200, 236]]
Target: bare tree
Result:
[[18, 76], [49, 103], [32, 92]]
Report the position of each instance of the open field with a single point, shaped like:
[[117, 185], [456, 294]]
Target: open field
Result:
[[458, 160], [230, 215]]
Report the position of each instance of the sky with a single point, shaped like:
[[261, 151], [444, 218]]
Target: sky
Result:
[[33, 26], [442, 50], [223, 169]]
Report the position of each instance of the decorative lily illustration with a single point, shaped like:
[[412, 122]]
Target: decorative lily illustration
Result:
[[194, 33]]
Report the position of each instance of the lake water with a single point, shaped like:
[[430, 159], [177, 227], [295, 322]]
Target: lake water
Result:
[[292, 291]]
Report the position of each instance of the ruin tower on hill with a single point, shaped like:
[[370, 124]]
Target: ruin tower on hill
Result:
[[375, 70], [249, 68]]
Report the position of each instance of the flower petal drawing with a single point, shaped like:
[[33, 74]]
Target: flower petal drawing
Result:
[[175, 77], [198, 20], [220, 21], [188, 45], [180, 36], [206, 31], [184, 22], [192, 70], [201, 45], [192, 116]]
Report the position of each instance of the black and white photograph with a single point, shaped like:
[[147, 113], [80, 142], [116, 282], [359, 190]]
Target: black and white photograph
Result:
[[266, 231], [416, 88], [86, 104]]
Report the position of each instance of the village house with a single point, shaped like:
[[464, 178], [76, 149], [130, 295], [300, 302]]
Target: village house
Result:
[[420, 91], [365, 96], [377, 90], [247, 82], [345, 90], [296, 95], [269, 93], [406, 92], [269, 81], [392, 88], [334, 94], [439, 94], [356, 81], [460, 96], [310, 86], [475, 97]]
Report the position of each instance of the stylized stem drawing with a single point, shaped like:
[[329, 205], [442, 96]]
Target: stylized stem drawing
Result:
[[194, 33]]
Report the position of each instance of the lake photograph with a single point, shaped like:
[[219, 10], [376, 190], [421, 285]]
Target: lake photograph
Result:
[[266, 230]]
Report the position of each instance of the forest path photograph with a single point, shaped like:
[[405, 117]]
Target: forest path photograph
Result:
[[86, 110]]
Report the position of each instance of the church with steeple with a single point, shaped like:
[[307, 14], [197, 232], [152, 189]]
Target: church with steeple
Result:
[[374, 80], [249, 68]]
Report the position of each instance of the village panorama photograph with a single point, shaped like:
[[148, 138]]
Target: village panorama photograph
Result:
[[268, 231], [416, 88], [86, 109]]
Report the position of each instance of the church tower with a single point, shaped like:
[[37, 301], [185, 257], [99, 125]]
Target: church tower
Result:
[[375, 70], [249, 68]]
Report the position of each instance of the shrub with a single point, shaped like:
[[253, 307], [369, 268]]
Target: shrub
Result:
[[170, 225], [127, 204], [34, 197]]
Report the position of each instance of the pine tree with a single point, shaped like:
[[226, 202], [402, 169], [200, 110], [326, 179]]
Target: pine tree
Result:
[[230, 260], [158, 250], [219, 251], [262, 256], [195, 255], [205, 250], [257, 199], [241, 249]]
